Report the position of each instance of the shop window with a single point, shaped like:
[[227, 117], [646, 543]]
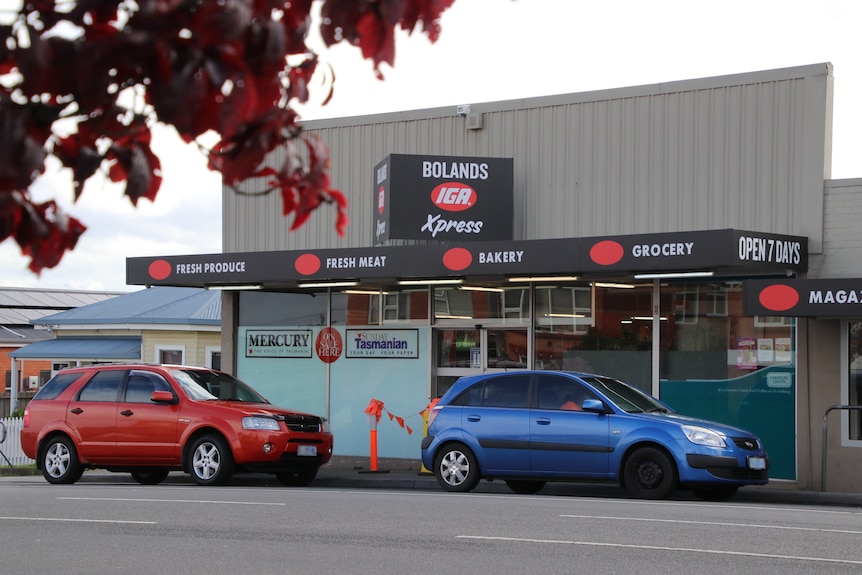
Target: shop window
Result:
[[853, 391], [564, 309], [772, 321], [685, 307], [279, 309]]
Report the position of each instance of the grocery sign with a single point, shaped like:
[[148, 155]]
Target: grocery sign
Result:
[[803, 298], [725, 252], [443, 198]]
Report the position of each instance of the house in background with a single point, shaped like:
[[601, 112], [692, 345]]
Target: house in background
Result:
[[175, 325], [19, 307]]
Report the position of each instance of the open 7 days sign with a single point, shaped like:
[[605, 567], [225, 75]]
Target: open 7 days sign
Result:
[[443, 198]]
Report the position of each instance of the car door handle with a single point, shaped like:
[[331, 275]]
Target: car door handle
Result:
[[543, 421], [77, 410], [127, 412], [474, 417]]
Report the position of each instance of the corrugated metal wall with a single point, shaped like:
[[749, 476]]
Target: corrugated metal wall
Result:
[[748, 151]]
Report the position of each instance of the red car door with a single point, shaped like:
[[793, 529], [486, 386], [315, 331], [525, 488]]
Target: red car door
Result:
[[147, 432], [92, 413]]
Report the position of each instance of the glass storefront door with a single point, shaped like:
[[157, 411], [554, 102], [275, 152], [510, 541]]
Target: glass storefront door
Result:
[[468, 351]]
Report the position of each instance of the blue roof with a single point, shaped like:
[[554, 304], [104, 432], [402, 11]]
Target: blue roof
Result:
[[82, 348], [155, 305]]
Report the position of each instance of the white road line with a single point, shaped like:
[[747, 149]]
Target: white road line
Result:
[[720, 523], [660, 548], [60, 519], [169, 501]]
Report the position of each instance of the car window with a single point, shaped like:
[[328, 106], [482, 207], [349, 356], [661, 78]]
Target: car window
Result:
[[625, 396], [555, 392], [220, 385], [141, 385], [506, 391], [103, 386], [57, 385]]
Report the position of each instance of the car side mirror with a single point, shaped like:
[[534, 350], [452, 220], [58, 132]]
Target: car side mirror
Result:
[[162, 397], [593, 405]]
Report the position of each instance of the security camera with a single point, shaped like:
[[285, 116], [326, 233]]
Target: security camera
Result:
[[463, 109]]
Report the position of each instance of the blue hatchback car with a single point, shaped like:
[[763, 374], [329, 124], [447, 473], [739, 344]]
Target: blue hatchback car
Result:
[[531, 427]]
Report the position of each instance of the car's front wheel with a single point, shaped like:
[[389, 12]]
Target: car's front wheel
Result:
[[149, 476], [296, 479], [60, 461], [212, 461], [456, 469], [650, 474]]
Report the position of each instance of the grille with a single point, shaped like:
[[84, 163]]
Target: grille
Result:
[[303, 424], [746, 443]]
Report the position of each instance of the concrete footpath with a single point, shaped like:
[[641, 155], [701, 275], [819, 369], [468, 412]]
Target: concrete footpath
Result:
[[398, 474]]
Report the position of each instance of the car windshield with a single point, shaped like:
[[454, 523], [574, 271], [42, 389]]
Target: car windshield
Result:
[[202, 384], [628, 398]]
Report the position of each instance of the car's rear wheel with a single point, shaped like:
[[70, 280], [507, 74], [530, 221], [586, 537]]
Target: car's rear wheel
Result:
[[149, 476], [212, 461], [650, 474], [296, 479], [60, 461], [456, 469], [716, 492], [525, 487]]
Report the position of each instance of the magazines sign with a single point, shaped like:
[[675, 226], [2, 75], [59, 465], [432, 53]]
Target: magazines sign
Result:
[[278, 343], [382, 343]]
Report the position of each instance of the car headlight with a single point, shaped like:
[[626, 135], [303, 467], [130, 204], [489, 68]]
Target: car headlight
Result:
[[260, 423], [325, 425], [703, 436]]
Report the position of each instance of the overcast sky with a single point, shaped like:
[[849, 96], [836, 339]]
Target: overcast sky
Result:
[[488, 50]]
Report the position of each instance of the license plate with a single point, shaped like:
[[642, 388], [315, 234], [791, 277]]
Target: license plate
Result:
[[757, 463], [306, 450]]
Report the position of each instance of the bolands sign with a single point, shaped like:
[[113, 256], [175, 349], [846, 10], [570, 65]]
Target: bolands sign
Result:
[[443, 198]]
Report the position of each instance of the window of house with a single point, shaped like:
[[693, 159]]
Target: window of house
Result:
[[172, 355]]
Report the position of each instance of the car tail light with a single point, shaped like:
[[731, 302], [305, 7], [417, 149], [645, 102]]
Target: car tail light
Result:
[[433, 415], [27, 416]]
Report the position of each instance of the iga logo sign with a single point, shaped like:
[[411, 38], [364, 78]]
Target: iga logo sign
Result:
[[453, 197]]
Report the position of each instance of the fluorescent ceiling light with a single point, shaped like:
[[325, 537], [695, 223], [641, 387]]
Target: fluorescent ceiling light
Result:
[[365, 292], [426, 282], [613, 285], [564, 315], [671, 275], [545, 279], [327, 284], [453, 316], [479, 288], [647, 318], [235, 287]]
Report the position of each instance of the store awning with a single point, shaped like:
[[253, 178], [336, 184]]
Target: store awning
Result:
[[82, 348]]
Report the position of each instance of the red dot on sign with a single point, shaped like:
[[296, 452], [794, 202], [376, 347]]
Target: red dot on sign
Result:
[[778, 297], [159, 269], [457, 259], [307, 264], [606, 252]]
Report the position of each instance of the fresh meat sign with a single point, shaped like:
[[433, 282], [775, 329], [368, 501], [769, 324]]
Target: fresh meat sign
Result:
[[443, 198]]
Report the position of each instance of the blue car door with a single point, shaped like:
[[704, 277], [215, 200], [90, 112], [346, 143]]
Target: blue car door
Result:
[[565, 441], [497, 417]]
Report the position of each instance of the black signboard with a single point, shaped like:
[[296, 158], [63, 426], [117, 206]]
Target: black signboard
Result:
[[726, 252], [803, 298], [443, 198]]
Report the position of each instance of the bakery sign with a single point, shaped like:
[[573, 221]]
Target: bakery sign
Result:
[[442, 198]]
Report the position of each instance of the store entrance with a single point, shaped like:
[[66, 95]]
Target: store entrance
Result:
[[461, 351]]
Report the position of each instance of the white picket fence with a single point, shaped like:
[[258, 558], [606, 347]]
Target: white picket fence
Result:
[[10, 446]]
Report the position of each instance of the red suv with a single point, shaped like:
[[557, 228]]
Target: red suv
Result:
[[152, 419]]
